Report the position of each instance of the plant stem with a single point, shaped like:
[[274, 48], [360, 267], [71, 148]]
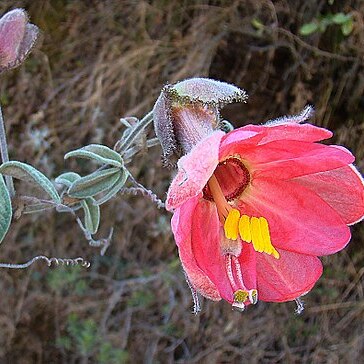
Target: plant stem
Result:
[[5, 155]]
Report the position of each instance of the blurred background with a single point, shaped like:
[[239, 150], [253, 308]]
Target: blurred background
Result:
[[97, 61]]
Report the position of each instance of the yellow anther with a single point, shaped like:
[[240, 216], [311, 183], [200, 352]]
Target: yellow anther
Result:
[[231, 225], [259, 234], [240, 296], [244, 228], [257, 238]]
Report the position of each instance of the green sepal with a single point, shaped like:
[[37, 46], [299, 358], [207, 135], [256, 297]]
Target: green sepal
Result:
[[5, 209], [26, 172], [99, 153], [94, 183], [92, 214]]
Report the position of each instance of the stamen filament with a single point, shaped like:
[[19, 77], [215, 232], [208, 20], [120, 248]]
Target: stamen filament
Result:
[[223, 207]]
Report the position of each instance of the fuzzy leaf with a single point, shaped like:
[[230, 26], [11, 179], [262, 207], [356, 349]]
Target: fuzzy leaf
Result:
[[98, 153], [37, 207], [5, 209], [26, 172], [92, 214], [94, 183], [67, 178], [114, 189]]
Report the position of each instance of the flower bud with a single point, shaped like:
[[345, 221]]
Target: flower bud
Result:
[[188, 111], [17, 38]]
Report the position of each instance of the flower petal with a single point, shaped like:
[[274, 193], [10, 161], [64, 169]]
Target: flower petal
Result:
[[181, 227], [248, 264], [206, 247], [194, 170], [285, 159], [342, 189], [299, 220], [290, 131], [286, 278]]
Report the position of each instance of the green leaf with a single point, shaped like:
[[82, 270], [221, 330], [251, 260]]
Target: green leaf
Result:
[[5, 209], [99, 153], [341, 18], [347, 27], [309, 28], [37, 207], [94, 183], [26, 172], [67, 178], [92, 214], [114, 189]]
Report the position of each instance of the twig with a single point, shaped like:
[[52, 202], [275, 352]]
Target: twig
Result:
[[5, 154]]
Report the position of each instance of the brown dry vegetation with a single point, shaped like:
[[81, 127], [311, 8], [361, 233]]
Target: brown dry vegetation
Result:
[[100, 60]]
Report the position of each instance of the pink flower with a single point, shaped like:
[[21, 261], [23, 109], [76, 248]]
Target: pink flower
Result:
[[17, 38], [254, 208]]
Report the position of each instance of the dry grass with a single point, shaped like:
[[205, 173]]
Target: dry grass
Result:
[[100, 60]]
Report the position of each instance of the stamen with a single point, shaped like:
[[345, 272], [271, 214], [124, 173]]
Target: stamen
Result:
[[223, 207], [231, 225], [257, 238], [256, 230], [268, 247], [244, 228]]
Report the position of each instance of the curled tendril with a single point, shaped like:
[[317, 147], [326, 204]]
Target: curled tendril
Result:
[[49, 261]]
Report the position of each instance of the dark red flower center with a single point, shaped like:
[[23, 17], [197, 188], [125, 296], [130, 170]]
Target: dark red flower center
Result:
[[233, 178]]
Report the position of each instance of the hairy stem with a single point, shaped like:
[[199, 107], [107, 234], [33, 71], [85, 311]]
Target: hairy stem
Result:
[[5, 155]]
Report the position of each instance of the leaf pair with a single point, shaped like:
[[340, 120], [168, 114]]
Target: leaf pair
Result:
[[26, 173]]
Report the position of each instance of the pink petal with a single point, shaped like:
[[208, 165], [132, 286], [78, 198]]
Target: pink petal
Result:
[[290, 131], [285, 159], [286, 278], [248, 264], [299, 220], [239, 139], [342, 189], [194, 170], [206, 247], [181, 227]]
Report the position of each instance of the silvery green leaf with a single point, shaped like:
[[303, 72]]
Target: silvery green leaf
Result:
[[92, 214], [37, 207], [26, 172], [5, 209], [98, 153], [114, 189], [67, 178], [94, 183]]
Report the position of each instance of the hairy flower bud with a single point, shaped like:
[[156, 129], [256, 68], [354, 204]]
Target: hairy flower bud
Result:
[[17, 38], [188, 111]]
